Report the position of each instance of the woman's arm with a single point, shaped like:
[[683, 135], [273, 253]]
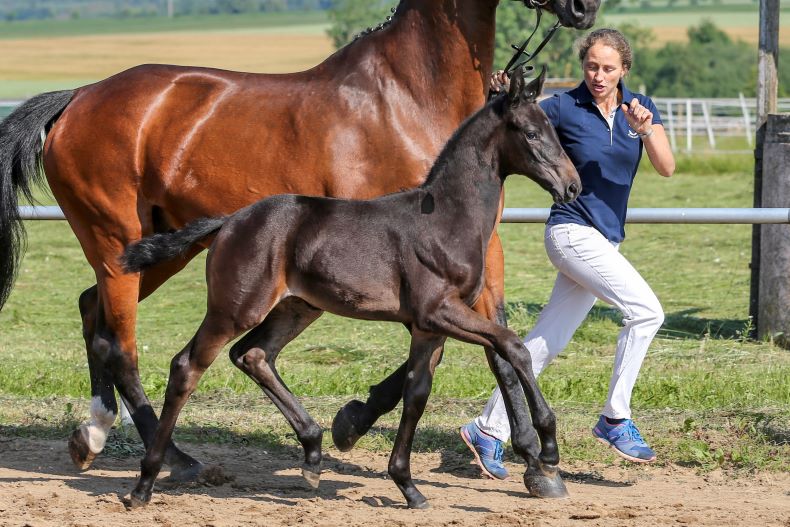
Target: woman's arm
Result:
[[658, 150], [640, 119]]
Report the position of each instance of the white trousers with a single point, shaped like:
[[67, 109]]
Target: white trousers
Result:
[[590, 267]]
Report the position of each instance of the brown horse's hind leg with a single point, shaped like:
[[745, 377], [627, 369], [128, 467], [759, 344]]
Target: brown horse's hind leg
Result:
[[88, 439], [424, 355], [255, 355]]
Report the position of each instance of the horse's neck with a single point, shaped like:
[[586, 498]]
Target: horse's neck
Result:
[[466, 181], [450, 44]]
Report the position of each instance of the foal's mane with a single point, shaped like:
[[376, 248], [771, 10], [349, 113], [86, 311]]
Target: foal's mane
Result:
[[495, 107]]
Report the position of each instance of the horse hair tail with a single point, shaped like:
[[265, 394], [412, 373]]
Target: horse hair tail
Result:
[[165, 246], [22, 136]]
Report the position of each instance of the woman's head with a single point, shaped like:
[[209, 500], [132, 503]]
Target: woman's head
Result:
[[606, 57], [608, 37]]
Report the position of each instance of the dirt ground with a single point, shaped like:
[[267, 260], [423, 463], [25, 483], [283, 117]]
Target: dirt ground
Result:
[[39, 487]]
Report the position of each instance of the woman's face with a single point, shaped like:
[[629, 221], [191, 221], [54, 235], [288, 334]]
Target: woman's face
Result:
[[603, 69]]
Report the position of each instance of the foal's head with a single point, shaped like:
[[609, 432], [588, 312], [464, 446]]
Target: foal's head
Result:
[[531, 146]]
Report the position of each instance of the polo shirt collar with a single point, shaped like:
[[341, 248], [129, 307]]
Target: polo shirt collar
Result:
[[583, 96]]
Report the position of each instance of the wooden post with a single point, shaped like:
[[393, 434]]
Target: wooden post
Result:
[[774, 284], [169, 8], [767, 82]]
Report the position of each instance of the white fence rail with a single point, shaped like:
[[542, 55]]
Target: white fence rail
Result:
[[710, 118], [524, 215]]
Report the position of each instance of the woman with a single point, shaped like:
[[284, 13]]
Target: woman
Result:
[[603, 127]]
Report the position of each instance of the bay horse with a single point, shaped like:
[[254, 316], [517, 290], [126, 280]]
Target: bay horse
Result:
[[157, 146], [416, 257]]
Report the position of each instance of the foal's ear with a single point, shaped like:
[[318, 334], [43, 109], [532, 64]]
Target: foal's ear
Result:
[[516, 86], [534, 88]]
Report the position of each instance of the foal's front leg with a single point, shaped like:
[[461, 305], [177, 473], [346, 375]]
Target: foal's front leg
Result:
[[457, 320], [424, 356]]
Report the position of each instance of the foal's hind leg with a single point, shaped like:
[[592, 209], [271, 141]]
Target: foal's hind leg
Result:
[[255, 355], [186, 369], [424, 355]]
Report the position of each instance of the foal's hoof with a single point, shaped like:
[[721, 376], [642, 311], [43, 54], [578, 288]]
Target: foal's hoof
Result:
[[420, 505], [313, 478], [185, 473], [348, 425], [138, 500], [79, 449], [545, 483]]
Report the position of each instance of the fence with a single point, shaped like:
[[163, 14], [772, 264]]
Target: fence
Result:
[[684, 120], [524, 215], [710, 118]]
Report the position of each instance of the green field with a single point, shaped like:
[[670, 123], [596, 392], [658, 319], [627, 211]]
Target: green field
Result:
[[302, 21], [707, 395]]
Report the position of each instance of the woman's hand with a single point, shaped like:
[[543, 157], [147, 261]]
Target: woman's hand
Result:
[[499, 81], [639, 118]]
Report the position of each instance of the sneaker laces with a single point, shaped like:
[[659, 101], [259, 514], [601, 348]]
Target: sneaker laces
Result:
[[499, 452], [633, 432]]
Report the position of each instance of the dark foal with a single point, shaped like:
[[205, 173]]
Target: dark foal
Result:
[[415, 257]]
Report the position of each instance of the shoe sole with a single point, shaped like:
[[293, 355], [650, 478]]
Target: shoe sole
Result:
[[478, 461], [623, 454]]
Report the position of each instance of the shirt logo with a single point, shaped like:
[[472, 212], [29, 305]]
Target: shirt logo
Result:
[[632, 134]]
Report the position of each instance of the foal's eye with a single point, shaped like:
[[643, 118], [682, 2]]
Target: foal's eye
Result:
[[531, 136]]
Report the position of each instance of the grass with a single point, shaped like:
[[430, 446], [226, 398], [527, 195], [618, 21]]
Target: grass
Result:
[[707, 395], [295, 22]]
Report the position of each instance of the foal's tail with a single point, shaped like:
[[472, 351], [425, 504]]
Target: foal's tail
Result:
[[157, 248], [22, 137]]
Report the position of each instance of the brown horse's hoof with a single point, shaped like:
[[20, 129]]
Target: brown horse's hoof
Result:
[[79, 450], [348, 425], [546, 482]]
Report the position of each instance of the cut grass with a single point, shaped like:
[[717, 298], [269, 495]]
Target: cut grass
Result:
[[706, 395]]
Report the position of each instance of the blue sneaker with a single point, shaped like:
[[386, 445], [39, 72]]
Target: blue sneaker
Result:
[[624, 438], [487, 449]]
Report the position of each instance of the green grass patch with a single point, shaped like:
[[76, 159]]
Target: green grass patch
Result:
[[707, 395], [293, 21]]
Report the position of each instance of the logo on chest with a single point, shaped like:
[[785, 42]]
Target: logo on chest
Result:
[[632, 134]]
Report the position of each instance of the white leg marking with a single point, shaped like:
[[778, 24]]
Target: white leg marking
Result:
[[99, 425]]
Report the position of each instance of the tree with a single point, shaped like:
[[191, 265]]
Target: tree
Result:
[[350, 17]]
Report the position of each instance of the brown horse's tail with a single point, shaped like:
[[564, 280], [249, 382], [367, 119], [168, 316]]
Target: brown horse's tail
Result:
[[21, 139], [157, 248]]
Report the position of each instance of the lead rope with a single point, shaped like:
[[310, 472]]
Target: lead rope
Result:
[[522, 49]]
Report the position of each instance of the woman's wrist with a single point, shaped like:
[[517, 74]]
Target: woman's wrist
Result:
[[644, 135]]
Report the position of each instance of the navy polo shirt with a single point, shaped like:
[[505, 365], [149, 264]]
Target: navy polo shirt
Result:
[[607, 160]]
